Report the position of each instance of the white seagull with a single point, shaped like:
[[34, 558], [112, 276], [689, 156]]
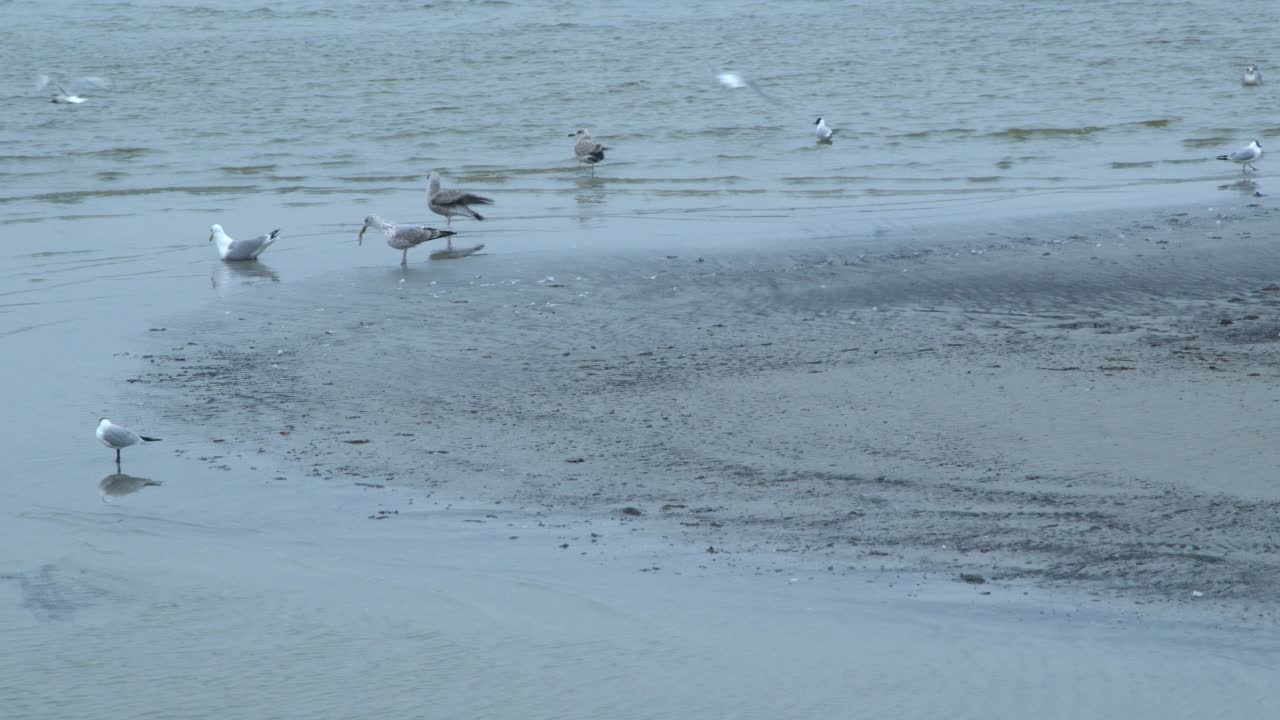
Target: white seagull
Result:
[[587, 150], [232, 249], [403, 237], [1246, 156], [821, 130], [73, 96], [452, 202], [117, 437], [1252, 76], [734, 81]]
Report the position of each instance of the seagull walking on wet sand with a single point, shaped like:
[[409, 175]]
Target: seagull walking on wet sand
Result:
[[403, 237], [1252, 76], [587, 150], [1246, 156], [452, 202], [231, 249], [74, 96], [117, 437], [821, 130]]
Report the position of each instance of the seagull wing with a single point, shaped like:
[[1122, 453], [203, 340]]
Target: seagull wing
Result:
[[419, 234], [88, 83], [1244, 154], [447, 198]]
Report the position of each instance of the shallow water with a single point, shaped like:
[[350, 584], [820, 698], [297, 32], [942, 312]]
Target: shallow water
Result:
[[966, 107]]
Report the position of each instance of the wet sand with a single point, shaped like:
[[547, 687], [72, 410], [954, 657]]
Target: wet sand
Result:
[[1026, 457], [1094, 409]]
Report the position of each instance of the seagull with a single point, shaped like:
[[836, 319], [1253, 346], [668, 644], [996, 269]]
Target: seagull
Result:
[[734, 81], [587, 150], [231, 249], [118, 436], [1252, 76], [403, 237], [73, 97], [1246, 156], [821, 130], [117, 484], [452, 202]]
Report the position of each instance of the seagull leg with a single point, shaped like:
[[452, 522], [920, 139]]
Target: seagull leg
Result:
[[404, 258], [117, 458]]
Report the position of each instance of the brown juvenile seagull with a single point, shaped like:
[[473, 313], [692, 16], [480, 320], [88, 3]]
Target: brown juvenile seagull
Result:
[[452, 202], [588, 151], [402, 237]]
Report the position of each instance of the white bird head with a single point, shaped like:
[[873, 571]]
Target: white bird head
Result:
[[1251, 68], [215, 231], [581, 133], [818, 121]]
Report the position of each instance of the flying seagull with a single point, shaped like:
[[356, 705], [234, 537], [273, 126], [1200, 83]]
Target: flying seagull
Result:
[[74, 96], [734, 81]]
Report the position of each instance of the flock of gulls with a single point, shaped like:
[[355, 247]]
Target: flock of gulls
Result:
[[450, 203]]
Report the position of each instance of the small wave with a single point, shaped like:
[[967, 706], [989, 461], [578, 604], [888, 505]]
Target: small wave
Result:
[[1271, 132], [1024, 134], [127, 153], [70, 197], [1127, 165], [1206, 142], [110, 175], [379, 178], [248, 169]]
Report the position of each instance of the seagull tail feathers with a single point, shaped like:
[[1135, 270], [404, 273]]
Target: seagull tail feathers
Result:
[[1224, 157], [149, 439]]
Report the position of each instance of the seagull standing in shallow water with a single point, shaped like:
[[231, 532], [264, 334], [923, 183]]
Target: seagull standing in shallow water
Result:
[[587, 150], [1246, 156], [62, 96], [821, 130], [117, 437], [232, 249], [452, 202], [1252, 76], [403, 237]]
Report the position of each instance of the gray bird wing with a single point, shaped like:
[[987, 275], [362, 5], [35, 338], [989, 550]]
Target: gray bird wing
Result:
[[447, 198], [79, 85], [252, 248], [416, 235], [116, 436], [1242, 155]]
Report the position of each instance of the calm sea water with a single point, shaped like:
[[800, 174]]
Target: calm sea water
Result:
[[941, 107]]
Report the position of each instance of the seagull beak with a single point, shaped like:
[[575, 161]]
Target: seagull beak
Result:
[[572, 134], [210, 237]]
